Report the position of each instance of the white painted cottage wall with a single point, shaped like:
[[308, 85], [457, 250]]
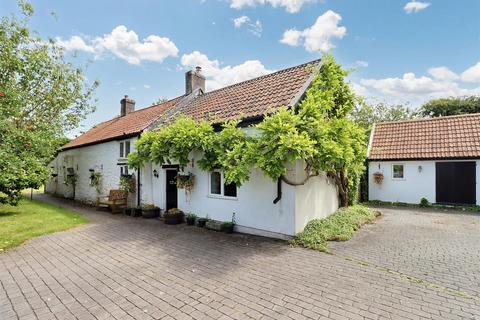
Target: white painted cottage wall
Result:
[[416, 184], [100, 157], [317, 199], [254, 209]]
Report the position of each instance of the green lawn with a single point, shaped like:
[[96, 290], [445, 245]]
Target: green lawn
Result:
[[31, 219], [340, 226]]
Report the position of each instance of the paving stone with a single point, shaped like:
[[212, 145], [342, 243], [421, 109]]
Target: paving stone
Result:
[[408, 265]]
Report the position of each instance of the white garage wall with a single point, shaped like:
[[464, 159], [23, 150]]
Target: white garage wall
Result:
[[100, 157], [416, 184]]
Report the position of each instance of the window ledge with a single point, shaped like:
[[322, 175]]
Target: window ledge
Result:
[[220, 197]]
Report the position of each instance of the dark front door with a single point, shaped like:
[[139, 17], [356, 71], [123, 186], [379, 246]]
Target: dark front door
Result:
[[455, 182], [171, 188]]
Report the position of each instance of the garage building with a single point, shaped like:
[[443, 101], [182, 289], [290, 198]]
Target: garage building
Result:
[[433, 158]]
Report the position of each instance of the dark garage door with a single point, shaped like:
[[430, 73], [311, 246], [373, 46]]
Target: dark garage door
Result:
[[455, 182]]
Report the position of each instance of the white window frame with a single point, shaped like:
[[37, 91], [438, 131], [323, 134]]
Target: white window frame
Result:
[[398, 164], [222, 187], [122, 144]]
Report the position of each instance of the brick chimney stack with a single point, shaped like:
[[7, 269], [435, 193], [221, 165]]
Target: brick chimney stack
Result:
[[127, 105], [194, 79]]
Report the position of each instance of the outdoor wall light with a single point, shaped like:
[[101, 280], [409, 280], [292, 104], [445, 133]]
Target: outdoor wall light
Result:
[[420, 168], [155, 173]]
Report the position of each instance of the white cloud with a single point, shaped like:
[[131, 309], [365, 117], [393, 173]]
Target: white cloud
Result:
[[443, 74], [472, 74], [361, 63], [292, 6], [254, 28], [75, 43], [319, 36], [359, 89], [146, 86], [126, 45], [291, 37], [238, 22], [218, 76], [415, 6], [419, 89]]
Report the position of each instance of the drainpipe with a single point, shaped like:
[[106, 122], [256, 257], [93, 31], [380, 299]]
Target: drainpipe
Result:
[[138, 187], [279, 191]]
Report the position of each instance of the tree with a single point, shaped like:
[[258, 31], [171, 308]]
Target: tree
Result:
[[365, 115], [41, 98], [317, 132], [159, 101], [451, 106]]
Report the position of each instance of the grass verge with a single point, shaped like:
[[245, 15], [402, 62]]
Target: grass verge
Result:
[[340, 226], [31, 219]]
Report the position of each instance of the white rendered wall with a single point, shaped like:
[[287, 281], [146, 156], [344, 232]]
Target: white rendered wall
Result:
[[100, 157], [317, 199], [253, 207], [417, 183]]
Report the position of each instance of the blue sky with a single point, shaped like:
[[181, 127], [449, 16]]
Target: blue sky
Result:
[[402, 51]]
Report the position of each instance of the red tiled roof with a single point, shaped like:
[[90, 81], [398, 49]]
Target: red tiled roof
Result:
[[254, 97], [132, 123], [248, 99], [430, 138]]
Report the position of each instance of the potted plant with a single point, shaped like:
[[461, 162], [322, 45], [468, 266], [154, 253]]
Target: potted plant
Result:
[[185, 181], [127, 185], [173, 216], [214, 225], [95, 180], [228, 227], [378, 177], [136, 212], [191, 218], [150, 211], [201, 222]]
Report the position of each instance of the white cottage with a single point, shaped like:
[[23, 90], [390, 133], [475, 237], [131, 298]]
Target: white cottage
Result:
[[261, 206], [433, 158]]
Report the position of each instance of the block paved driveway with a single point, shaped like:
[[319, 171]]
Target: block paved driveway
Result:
[[406, 266]]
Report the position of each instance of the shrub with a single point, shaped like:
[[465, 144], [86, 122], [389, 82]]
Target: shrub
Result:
[[340, 226], [424, 202]]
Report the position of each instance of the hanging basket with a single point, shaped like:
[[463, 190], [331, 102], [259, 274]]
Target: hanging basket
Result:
[[378, 177], [185, 181]]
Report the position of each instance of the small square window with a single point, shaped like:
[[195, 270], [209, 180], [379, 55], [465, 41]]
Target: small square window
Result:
[[215, 183], [230, 190], [398, 171]]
